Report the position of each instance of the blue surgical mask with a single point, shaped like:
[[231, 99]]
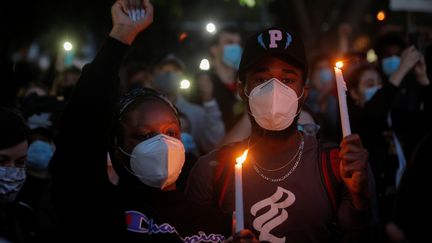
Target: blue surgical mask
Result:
[[188, 142], [232, 55], [370, 92], [167, 82], [309, 129], [11, 181], [390, 65], [39, 154], [325, 75]]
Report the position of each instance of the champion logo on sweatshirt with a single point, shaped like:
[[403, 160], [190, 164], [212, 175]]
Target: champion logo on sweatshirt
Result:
[[139, 223]]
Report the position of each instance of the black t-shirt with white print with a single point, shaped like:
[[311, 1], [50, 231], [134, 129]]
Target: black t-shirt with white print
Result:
[[295, 209]]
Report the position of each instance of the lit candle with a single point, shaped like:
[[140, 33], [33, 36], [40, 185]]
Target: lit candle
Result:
[[341, 90], [239, 191]]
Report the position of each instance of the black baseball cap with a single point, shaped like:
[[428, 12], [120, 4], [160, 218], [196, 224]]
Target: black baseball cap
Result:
[[273, 41]]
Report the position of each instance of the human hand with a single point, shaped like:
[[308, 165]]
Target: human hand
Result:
[[354, 170], [395, 233], [130, 17], [420, 71], [409, 57]]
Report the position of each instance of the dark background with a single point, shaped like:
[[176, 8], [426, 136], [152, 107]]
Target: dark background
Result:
[[50, 22]]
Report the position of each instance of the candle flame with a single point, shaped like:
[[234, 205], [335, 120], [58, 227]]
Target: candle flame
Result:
[[339, 64], [240, 160]]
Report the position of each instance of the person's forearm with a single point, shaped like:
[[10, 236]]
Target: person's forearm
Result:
[[96, 93], [123, 34], [397, 77]]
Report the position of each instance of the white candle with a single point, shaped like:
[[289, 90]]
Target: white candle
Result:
[[341, 90], [239, 191]]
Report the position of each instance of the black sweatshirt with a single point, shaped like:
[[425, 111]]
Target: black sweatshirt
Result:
[[88, 206]]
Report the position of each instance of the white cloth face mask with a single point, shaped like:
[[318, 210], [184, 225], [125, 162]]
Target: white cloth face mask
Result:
[[274, 105], [158, 161]]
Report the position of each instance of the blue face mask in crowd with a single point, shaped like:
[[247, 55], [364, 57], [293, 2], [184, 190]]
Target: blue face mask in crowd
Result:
[[370, 92], [11, 181], [232, 55], [188, 142], [167, 82], [309, 129], [390, 65], [325, 75], [39, 154]]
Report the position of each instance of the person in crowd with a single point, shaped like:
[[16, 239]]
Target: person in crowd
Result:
[[405, 75], [17, 222], [65, 82], [363, 83], [412, 208], [365, 88], [321, 99], [142, 136], [41, 114], [225, 52], [284, 195], [207, 127]]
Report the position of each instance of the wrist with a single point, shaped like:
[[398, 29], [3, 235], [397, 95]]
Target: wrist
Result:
[[423, 80], [123, 33], [397, 77]]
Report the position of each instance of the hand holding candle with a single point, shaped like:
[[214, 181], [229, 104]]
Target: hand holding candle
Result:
[[341, 90], [239, 191]]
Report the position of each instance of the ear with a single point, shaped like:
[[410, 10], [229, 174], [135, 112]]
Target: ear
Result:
[[241, 86]]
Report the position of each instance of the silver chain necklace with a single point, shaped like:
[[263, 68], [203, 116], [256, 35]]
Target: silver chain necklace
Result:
[[257, 170], [285, 165]]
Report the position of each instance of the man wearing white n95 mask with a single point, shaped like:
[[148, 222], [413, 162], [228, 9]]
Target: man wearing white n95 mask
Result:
[[287, 196]]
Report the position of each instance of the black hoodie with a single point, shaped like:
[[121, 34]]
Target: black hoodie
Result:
[[88, 206]]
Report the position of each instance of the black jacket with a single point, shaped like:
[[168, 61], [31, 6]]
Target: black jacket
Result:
[[88, 206]]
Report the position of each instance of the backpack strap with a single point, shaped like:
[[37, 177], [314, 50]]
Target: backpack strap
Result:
[[224, 171], [329, 166]]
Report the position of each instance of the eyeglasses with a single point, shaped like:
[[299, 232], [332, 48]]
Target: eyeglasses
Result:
[[309, 129]]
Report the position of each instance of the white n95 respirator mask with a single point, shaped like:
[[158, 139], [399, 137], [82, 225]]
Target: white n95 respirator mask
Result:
[[273, 105], [157, 161]]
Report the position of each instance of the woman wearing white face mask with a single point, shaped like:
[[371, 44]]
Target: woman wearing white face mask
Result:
[[143, 140]]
